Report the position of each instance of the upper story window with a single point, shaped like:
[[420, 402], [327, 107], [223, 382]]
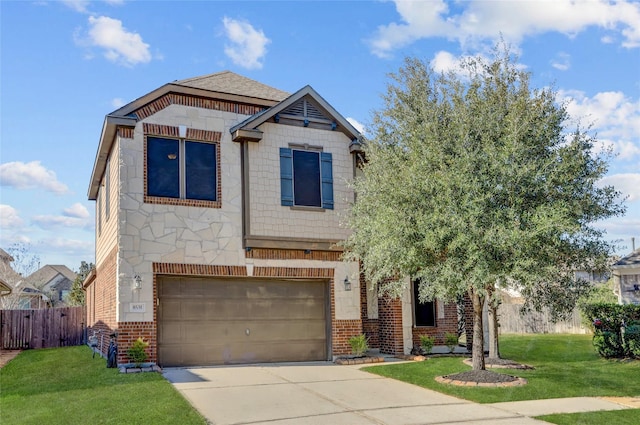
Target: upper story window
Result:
[[306, 178], [182, 166], [424, 314], [181, 169]]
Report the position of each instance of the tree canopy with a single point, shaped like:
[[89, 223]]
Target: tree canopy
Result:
[[473, 181], [76, 295]]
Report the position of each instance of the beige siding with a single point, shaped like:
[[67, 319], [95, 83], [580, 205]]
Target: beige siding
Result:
[[106, 238], [268, 217]]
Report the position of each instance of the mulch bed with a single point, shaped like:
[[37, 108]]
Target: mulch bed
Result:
[[481, 378], [501, 363]]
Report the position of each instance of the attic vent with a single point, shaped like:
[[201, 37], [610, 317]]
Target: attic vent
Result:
[[306, 109]]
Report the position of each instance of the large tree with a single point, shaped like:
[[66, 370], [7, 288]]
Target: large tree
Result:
[[472, 182], [77, 295]]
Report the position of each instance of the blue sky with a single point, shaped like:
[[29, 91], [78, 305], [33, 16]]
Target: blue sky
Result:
[[64, 65]]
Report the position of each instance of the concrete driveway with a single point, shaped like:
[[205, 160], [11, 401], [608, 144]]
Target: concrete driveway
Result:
[[322, 393]]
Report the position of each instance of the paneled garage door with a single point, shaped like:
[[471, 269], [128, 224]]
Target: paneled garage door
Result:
[[206, 321]]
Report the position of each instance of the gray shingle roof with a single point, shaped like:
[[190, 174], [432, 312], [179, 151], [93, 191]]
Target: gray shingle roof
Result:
[[632, 259], [231, 83]]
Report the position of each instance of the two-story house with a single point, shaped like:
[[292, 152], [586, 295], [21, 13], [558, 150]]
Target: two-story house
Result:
[[218, 209]]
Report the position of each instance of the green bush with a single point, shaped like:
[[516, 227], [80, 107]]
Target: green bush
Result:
[[608, 344], [451, 341], [137, 353], [427, 342], [607, 321], [632, 340], [359, 345]]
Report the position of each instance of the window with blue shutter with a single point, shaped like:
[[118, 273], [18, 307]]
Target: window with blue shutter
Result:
[[306, 178]]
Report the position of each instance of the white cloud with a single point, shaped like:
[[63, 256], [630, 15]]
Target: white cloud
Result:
[[482, 20], [444, 62], [248, 46], [627, 183], [615, 117], [118, 102], [120, 45], [9, 217], [358, 125], [30, 175], [76, 210], [562, 61], [77, 5], [48, 222], [67, 246]]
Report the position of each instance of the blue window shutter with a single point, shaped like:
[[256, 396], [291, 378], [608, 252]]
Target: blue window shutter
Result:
[[326, 173], [286, 177]]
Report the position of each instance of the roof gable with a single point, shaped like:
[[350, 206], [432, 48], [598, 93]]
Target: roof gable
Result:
[[47, 273], [305, 106]]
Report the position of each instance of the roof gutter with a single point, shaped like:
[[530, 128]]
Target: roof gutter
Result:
[[107, 137]]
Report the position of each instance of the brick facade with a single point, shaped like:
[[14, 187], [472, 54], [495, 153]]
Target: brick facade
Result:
[[390, 325], [448, 323], [101, 302]]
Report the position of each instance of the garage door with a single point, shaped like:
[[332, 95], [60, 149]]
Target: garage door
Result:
[[203, 321]]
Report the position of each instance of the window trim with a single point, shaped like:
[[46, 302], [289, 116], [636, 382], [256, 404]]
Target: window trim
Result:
[[414, 304], [192, 135]]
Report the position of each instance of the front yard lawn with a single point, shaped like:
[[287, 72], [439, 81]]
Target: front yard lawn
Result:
[[565, 366], [68, 386]]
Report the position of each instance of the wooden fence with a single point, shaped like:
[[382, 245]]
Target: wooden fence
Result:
[[511, 321], [43, 328]]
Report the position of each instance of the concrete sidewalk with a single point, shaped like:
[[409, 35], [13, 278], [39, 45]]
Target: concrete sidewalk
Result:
[[321, 393]]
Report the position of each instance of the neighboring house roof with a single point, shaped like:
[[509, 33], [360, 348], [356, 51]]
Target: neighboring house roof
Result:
[[43, 276], [5, 256], [5, 289], [630, 261], [224, 85], [248, 129]]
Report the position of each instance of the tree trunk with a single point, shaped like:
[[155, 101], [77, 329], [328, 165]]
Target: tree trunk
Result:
[[477, 353], [494, 347], [492, 309]]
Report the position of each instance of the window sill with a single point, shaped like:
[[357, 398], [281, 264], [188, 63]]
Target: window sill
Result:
[[302, 208], [181, 202]]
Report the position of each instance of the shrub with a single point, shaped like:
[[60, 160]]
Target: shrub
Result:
[[608, 321], [359, 345], [632, 340], [137, 353], [608, 344], [451, 341], [426, 342]]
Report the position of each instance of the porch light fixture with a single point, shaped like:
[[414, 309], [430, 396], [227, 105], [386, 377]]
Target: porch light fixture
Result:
[[137, 282], [347, 284]]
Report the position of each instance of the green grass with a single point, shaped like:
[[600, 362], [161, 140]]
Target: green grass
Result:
[[617, 417], [565, 366], [68, 386]]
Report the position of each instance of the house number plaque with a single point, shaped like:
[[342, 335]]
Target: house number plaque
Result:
[[137, 307]]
